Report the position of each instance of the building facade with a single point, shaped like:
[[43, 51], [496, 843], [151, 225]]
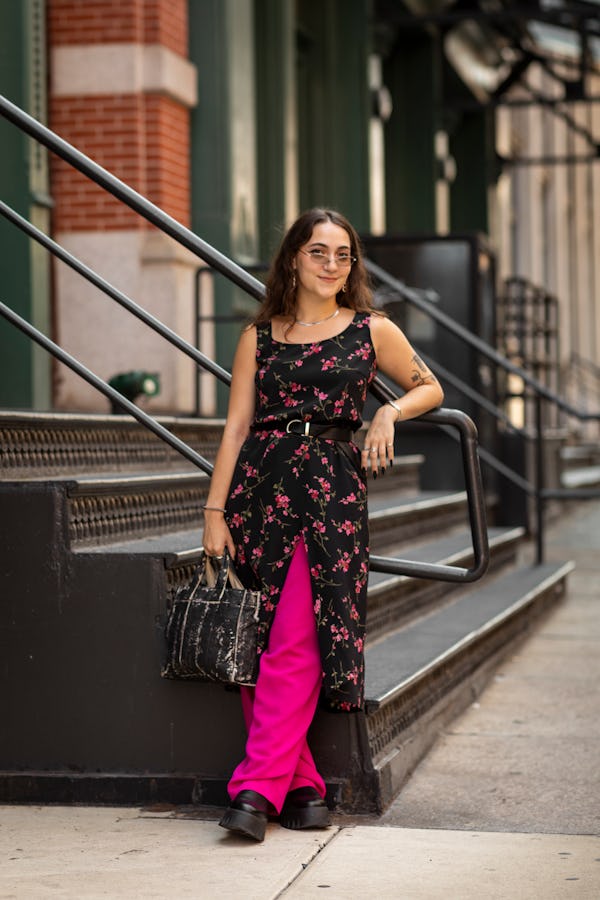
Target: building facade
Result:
[[232, 116]]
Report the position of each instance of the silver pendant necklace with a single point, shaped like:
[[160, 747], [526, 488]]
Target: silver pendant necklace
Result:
[[335, 313]]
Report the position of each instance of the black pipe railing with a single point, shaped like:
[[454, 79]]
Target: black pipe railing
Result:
[[113, 292], [540, 392], [252, 286], [114, 396]]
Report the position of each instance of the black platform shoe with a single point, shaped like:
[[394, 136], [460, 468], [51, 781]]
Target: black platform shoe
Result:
[[247, 815], [304, 808]]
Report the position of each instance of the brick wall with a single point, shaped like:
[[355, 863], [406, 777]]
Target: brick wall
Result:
[[116, 21], [141, 137]]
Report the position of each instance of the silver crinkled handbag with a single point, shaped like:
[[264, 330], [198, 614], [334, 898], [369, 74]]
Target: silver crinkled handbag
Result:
[[212, 631]]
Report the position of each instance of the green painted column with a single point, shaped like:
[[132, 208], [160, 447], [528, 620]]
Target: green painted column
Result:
[[334, 106], [224, 186], [411, 72], [276, 137], [25, 369], [472, 144]]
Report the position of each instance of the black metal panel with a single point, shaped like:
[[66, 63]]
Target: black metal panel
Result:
[[86, 716], [460, 271]]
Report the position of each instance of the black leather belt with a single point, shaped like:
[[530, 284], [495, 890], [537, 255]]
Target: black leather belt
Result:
[[307, 429]]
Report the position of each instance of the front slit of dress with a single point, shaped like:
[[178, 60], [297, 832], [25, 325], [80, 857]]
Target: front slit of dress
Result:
[[279, 710]]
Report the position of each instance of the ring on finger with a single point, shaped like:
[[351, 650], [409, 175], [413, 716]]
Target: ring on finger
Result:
[[373, 449]]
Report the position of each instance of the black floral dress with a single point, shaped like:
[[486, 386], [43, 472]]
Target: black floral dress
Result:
[[286, 485]]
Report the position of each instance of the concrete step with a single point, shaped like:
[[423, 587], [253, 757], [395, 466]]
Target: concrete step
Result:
[[392, 600], [421, 676], [89, 718], [576, 455], [396, 600], [104, 509], [581, 477], [46, 444], [38, 445]]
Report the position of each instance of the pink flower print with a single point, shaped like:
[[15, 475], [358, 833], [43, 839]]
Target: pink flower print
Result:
[[354, 613], [250, 471], [344, 562], [320, 527], [358, 643], [313, 494], [316, 571], [322, 395], [289, 402], [269, 607], [298, 362], [328, 364], [317, 606], [351, 498], [257, 552], [353, 675], [347, 527], [294, 387], [282, 501], [345, 633], [237, 520]]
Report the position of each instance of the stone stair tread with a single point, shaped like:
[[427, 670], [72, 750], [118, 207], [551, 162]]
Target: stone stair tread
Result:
[[447, 550], [176, 546], [99, 483], [397, 659], [381, 504], [582, 476]]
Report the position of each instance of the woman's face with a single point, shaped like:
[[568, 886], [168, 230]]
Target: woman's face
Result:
[[323, 279]]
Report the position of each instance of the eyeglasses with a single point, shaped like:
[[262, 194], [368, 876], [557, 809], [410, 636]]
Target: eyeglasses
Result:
[[343, 260]]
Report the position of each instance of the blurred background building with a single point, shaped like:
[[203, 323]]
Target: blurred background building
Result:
[[422, 121]]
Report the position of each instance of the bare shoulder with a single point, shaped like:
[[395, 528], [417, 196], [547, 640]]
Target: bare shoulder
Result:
[[384, 331]]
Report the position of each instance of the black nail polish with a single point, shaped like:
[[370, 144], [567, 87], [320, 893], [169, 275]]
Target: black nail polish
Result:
[[391, 463], [374, 476], [383, 470]]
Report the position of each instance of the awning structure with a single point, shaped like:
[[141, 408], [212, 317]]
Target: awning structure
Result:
[[492, 46]]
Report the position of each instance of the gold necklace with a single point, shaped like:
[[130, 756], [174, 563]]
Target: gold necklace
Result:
[[335, 313]]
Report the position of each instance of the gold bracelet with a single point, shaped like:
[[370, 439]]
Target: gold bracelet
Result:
[[396, 407], [214, 508]]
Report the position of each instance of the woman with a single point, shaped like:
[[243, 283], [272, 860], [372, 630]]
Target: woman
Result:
[[288, 499]]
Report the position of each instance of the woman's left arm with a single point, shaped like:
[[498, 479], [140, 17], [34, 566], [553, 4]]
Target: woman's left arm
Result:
[[397, 359]]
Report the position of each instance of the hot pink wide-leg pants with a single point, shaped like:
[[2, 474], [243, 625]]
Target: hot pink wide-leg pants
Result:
[[280, 709]]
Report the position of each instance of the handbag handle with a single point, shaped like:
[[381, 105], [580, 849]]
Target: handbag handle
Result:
[[225, 574]]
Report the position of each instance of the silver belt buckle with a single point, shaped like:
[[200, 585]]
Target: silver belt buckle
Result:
[[293, 422]]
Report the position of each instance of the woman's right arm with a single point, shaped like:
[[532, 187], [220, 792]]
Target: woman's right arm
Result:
[[239, 418]]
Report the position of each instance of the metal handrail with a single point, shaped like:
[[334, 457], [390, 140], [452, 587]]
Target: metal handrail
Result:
[[255, 288], [414, 298], [540, 493], [102, 284], [159, 430]]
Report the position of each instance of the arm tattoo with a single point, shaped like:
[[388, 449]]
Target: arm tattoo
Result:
[[418, 377]]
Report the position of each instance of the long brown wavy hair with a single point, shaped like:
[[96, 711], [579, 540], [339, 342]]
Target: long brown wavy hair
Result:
[[280, 298]]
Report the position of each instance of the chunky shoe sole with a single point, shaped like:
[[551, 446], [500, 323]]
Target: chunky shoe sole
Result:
[[246, 823], [315, 817]]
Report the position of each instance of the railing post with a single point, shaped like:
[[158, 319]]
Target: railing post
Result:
[[539, 479]]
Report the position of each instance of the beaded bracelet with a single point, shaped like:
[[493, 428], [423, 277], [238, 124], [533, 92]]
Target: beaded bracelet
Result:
[[215, 508]]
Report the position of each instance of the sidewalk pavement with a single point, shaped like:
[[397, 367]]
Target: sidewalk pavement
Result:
[[506, 805]]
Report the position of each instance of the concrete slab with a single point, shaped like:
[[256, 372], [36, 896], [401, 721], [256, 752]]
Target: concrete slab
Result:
[[80, 852], [526, 756], [400, 864]]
